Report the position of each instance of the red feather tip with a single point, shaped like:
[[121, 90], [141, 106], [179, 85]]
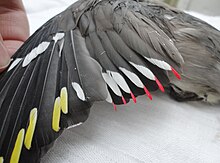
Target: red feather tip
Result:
[[133, 97], [124, 101], [176, 73], [148, 93], [159, 85], [114, 106]]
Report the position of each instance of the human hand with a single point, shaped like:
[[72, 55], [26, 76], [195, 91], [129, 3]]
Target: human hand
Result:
[[14, 29]]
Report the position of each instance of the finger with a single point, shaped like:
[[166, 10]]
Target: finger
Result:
[[12, 46], [4, 56]]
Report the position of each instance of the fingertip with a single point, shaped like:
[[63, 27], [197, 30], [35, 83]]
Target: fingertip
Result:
[[2, 68], [4, 57]]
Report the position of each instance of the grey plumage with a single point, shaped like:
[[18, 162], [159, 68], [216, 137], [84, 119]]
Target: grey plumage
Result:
[[111, 50], [199, 45]]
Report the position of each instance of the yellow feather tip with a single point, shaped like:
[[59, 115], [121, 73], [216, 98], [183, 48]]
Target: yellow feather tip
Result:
[[64, 100], [56, 115], [31, 128], [1, 159], [17, 147]]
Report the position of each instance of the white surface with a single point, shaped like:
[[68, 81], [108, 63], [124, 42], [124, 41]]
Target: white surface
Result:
[[210, 7], [213, 20], [161, 130]]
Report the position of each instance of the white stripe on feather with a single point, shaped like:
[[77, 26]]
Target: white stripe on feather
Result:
[[58, 36], [112, 84], [133, 77], [35, 52], [42, 47], [14, 63], [75, 125], [61, 47], [119, 80], [159, 63], [79, 91], [169, 17], [144, 70], [109, 98]]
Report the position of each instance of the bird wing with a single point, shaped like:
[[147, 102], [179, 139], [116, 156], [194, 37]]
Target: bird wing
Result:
[[197, 41], [93, 51]]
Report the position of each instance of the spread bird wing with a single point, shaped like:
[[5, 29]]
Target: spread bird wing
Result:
[[93, 51]]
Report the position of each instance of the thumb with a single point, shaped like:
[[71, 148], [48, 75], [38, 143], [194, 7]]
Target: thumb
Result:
[[4, 56]]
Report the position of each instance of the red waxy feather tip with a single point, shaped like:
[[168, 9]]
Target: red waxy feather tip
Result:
[[159, 85], [148, 93], [133, 97], [114, 106], [123, 99], [176, 73]]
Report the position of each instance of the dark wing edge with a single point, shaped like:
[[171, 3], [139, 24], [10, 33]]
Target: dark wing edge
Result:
[[43, 91], [62, 69]]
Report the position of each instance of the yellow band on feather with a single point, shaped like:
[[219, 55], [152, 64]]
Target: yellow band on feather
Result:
[[64, 100], [31, 128], [1, 159], [56, 115], [17, 148]]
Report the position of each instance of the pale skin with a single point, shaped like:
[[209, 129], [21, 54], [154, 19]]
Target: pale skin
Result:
[[14, 29]]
